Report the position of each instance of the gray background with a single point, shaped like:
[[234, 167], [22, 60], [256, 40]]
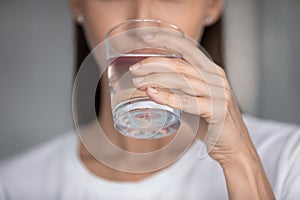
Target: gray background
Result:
[[36, 55]]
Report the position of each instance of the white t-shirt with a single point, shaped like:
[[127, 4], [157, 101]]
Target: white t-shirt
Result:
[[54, 171]]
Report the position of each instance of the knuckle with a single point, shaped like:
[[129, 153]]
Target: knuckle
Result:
[[228, 95], [208, 115], [221, 70], [180, 66], [226, 84], [173, 102], [187, 77], [169, 100], [195, 87], [185, 100]]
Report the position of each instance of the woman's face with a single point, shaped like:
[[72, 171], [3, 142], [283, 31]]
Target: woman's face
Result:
[[191, 16]]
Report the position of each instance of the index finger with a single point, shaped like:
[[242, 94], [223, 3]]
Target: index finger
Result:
[[186, 46]]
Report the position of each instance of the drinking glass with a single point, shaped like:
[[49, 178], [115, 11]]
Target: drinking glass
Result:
[[134, 113]]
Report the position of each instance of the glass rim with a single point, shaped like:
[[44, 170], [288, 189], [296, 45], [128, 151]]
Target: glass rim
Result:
[[175, 27]]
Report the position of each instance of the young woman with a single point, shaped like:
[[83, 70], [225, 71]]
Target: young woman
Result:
[[252, 159]]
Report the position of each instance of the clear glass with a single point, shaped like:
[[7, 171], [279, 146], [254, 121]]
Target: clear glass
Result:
[[134, 114]]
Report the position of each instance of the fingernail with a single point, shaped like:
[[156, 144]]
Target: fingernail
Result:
[[134, 67], [148, 36], [138, 79], [152, 90]]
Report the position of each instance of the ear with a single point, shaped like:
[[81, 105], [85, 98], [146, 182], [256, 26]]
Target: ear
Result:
[[214, 11], [75, 8]]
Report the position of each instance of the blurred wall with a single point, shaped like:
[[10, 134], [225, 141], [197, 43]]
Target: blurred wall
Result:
[[279, 30], [242, 52], [36, 51], [262, 54], [35, 72]]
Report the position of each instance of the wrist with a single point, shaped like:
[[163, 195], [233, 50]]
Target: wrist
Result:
[[243, 155], [245, 177]]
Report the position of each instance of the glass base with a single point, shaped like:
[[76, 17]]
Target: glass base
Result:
[[145, 119]]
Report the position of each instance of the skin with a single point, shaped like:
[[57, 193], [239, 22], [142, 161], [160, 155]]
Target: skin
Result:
[[233, 150]]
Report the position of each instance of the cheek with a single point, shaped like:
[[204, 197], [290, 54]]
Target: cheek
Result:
[[98, 22], [193, 30], [95, 32], [96, 27], [191, 25]]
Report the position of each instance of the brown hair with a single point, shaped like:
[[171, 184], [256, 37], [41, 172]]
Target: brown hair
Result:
[[212, 41]]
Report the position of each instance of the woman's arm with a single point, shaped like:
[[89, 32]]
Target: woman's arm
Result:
[[206, 93], [245, 177], [241, 164]]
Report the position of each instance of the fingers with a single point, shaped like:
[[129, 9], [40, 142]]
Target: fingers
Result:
[[204, 84], [162, 65], [189, 85], [188, 48], [170, 65], [202, 106], [181, 102]]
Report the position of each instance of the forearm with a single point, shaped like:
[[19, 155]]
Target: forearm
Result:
[[246, 179]]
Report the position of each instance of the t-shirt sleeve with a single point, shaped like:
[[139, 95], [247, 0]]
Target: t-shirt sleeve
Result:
[[291, 186]]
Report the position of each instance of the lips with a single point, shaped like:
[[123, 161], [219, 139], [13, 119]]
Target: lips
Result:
[[127, 59], [150, 51]]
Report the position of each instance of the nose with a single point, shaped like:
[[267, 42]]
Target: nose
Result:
[[143, 9]]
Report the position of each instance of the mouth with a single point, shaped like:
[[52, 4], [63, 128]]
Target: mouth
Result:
[[132, 57], [152, 52]]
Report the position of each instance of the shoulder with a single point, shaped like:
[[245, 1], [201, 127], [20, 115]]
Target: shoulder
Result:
[[269, 132], [260, 128], [277, 144], [26, 172], [276, 138], [48, 152]]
